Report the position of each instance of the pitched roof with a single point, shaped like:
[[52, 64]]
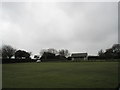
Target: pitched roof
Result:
[[79, 55]]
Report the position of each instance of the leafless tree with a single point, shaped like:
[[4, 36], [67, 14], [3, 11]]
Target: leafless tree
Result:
[[101, 52], [50, 50], [64, 52], [7, 51]]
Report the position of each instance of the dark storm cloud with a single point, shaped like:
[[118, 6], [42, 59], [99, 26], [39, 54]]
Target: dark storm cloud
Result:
[[77, 26]]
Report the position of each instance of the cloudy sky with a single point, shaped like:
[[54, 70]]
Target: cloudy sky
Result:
[[76, 26]]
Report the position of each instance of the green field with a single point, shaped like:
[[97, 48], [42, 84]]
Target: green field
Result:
[[60, 75]]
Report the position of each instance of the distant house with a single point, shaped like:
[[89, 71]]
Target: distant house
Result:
[[79, 56]]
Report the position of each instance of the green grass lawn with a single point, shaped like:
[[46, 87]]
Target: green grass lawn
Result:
[[60, 75]]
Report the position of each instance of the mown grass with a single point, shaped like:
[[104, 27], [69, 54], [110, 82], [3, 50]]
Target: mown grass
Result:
[[60, 75]]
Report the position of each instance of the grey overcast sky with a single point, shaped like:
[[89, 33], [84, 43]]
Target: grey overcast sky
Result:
[[76, 26]]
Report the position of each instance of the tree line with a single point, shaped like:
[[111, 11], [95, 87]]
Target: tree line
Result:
[[110, 53], [51, 54], [8, 52]]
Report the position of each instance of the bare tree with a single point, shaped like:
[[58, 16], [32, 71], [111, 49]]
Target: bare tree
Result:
[[64, 52], [52, 50], [8, 51], [101, 52]]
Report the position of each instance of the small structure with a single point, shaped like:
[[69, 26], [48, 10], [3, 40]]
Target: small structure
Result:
[[38, 61], [79, 56]]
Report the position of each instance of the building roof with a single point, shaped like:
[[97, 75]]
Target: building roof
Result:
[[79, 55]]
